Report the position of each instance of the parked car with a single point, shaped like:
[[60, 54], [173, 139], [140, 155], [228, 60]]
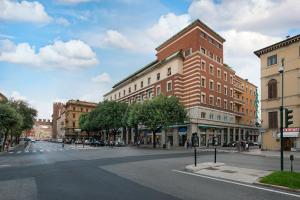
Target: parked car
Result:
[[120, 144], [232, 144], [87, 142]]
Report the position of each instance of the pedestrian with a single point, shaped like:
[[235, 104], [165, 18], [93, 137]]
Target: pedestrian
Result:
[[187, 143], [63, 143]]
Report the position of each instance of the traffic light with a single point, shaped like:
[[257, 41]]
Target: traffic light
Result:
[[288, 117]]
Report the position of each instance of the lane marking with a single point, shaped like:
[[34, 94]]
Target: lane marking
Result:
[[11, 152], [34, 151], [41, 150], [19, 151], [237, 183]]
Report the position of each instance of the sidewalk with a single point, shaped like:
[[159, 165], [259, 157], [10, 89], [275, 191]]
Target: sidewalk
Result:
[[21, 145], [221, 170], [275, 154]]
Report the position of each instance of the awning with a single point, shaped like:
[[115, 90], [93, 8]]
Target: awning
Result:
[[209, 126]]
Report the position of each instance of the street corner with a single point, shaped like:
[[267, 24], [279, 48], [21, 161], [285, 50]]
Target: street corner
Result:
[[200, 166]]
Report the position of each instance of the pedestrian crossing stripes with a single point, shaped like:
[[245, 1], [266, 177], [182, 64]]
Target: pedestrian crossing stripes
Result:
[[53, 149]]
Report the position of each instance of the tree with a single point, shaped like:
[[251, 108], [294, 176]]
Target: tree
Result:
[[133, 117], [28, 115], [10, 120], [162, 112]]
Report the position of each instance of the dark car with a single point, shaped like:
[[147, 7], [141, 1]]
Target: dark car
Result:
[[232, 144], [120, 144]]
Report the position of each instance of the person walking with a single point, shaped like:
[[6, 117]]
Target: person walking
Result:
[[188, 143]]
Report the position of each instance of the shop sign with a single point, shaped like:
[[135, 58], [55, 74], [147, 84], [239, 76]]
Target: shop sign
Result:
[[290, 133], [182, 130]]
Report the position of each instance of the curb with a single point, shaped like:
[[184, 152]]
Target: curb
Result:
[[275, 186]]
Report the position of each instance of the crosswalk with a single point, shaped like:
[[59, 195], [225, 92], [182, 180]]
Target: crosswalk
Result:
[[35, 149]]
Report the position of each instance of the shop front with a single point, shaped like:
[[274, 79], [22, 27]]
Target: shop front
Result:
[[291, 139], [182, 132]]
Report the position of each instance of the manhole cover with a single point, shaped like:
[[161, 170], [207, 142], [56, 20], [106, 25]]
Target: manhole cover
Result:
[[228, 171]]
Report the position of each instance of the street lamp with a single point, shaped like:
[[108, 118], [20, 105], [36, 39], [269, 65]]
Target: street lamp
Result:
[[281, 71]]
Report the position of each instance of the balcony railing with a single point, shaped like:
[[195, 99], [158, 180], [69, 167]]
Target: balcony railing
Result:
[[238, 89], [239, 101]]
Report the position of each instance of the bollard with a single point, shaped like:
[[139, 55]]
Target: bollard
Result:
[[215, 154], [291, 158], [195, 155]]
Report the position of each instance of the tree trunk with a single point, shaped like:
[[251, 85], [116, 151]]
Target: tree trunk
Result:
[[136, 137], [124, 134], [4, 142], [154, 139]]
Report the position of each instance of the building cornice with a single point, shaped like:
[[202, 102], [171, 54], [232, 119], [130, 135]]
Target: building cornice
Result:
[[278, 45]]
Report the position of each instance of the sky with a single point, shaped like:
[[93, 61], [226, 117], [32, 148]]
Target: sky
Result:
[[56, 50]]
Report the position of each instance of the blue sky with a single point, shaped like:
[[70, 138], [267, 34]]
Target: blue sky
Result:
[[77, 49]]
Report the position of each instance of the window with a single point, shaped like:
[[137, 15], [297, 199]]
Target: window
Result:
[[124, 92], [219, 87], [218, 59], [129, 90], [149, 93], [135, 87], [231, 92], [219, 73], [81, 109], [210, 40], [219, 117], [169, 71], [115, 99], [74, 115], [158, 90], [211, 116], [203, 97], [74, 108], [187, 52], [225, 90], [142, 84], [225, 76], [149, 81], [110, 98], [169, 86], [203, 50], [231, 79], [73, 124], [211, 55], [225, 118], [211, 100], [231, 105], [158, 76], [225, 104], [211, 69], [203, 115], [273, 123], [272, 60], [203, 81], [272, 89], [211, 84], [87, 110], [219, 102], [202, 34], [203, 66]]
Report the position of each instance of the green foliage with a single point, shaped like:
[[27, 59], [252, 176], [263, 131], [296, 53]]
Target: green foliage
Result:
[[133, 117], [10, 119], [286, 179], [162, 112]]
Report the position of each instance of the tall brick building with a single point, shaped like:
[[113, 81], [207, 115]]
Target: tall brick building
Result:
[[190, 65]]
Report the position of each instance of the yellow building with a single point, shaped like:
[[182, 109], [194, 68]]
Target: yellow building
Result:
[[271, 59], [68, 119]]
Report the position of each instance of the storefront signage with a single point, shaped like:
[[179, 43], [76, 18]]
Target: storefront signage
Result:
[[182, 130], [290, 133]]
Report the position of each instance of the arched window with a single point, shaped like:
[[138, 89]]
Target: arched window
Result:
[[272, 89]]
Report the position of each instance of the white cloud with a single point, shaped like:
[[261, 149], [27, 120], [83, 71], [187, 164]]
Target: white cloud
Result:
[[72, 54], [17, 96], [110, 39], [266, 16], [62, 21], [24, 11], [102, 78], [72, 1], [167, 26]]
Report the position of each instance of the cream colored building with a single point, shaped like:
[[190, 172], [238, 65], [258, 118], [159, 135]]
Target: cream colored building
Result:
[[271, 59]]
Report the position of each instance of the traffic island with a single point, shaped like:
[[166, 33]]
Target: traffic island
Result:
[[283, 180], [223, 171]]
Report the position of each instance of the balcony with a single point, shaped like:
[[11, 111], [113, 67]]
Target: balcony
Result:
[[238, 113], [239, 101], [238, 89]]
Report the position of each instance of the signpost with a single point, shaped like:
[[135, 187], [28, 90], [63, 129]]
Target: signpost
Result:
[[195, 143]]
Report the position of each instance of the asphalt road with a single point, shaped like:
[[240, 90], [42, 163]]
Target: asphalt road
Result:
[[48, 171]]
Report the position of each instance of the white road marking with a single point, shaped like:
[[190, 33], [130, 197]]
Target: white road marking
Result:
[[5, 166], [48, 150], [41, 150], [11, 152], [34, 151], [19, 151], [237, 183]]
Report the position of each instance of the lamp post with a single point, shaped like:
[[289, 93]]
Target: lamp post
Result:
[[281, 71]]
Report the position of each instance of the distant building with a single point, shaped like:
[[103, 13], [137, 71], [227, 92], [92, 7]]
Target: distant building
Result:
[[270, 61], [2, 97], [190, 65], [57, 110], [42, 130], [67, 117]]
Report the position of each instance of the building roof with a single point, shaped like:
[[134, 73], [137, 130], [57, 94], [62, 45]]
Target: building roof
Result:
[[194, 23], [83, 103], [277, 45], [149, 66]]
